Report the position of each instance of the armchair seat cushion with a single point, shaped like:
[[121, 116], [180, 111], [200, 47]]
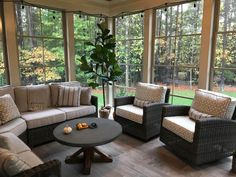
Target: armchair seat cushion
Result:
[[130, 112], [75, 112], [16, 126], [43, 118], [181, 126]]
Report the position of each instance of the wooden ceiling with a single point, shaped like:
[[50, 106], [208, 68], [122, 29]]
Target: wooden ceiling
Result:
[[105, 7]]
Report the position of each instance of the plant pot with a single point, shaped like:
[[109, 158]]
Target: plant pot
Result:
[[234, 163], [104, 113]]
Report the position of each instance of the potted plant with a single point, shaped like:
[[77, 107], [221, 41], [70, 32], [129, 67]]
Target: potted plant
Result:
[[101, 65]]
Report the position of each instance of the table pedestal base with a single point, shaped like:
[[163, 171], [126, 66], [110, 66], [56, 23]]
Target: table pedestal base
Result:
[[90, 155]]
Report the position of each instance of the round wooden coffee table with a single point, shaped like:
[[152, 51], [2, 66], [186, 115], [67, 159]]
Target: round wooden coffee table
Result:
[[88, 139]]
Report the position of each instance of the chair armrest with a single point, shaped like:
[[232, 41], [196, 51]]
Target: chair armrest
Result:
[[216, 130], [123, 100], [50, 168], [94, 101], [153, 112], [175, 110]]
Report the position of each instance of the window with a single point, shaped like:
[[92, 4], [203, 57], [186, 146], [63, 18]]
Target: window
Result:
[[40, 45], [3, 69], [129, 51], [177, 48], [224, 79], [85, 29]]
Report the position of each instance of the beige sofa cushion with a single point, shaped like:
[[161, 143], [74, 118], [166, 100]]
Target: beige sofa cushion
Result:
[[74, 112], [181, 126], [85, 96], [149, 92], [130, 112], [212, 103], [12, 143], [16, 126], [8, 109], [7, 90], [39, 97], [69, 96], [21, 98], [54, 87], [11, 164], [43, 118]]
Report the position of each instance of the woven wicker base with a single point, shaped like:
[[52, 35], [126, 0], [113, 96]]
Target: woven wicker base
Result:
[[234, 163]]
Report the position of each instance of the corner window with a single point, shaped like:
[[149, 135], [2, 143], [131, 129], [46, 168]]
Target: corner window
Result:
[[177, 48], [40, 45]]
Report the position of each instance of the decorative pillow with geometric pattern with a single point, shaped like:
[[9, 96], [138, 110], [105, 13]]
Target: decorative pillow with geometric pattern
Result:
[[149, 93], [211, 103], [8, 109]]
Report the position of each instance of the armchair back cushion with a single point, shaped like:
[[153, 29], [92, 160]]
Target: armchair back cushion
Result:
[[213, 104], [149, 93]]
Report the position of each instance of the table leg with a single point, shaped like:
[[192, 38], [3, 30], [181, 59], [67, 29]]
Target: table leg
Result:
[[87, 158]]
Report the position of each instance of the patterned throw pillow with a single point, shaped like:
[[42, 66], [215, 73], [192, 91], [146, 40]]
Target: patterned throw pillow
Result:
[[196, 115], [11, 164], [85, 96], [149, 93], [8, 109], [210, 103], [69, 96]]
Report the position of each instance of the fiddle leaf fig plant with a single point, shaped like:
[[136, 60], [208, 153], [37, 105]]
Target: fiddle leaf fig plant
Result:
[[101, 65]]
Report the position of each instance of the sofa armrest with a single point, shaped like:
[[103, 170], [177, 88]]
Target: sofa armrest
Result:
[[153, 112], [94, 101], [123, 100], [175, 110], [50, 168], [215, 129]]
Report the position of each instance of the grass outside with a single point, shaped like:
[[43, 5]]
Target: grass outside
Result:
[[181, 91]]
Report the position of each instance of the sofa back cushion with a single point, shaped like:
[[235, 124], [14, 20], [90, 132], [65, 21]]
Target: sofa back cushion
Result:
[[21, 98], [11, 164], [54, 87], [39, 97], [85, 96], [7, 90], [149, 93], [213, 103], [69, 96], [8, 109]]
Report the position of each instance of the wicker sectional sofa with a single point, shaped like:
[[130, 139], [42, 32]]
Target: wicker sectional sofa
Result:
[[35, 127]]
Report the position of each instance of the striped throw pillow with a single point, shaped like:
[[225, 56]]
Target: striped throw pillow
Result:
[[196, 115], [69, 96], [141, 103]]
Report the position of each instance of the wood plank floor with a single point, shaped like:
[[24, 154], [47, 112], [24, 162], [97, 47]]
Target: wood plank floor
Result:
[[134, 158]]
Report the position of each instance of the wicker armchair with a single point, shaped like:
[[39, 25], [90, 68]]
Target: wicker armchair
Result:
[[150, 127], [214, 138], [48, 169]]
